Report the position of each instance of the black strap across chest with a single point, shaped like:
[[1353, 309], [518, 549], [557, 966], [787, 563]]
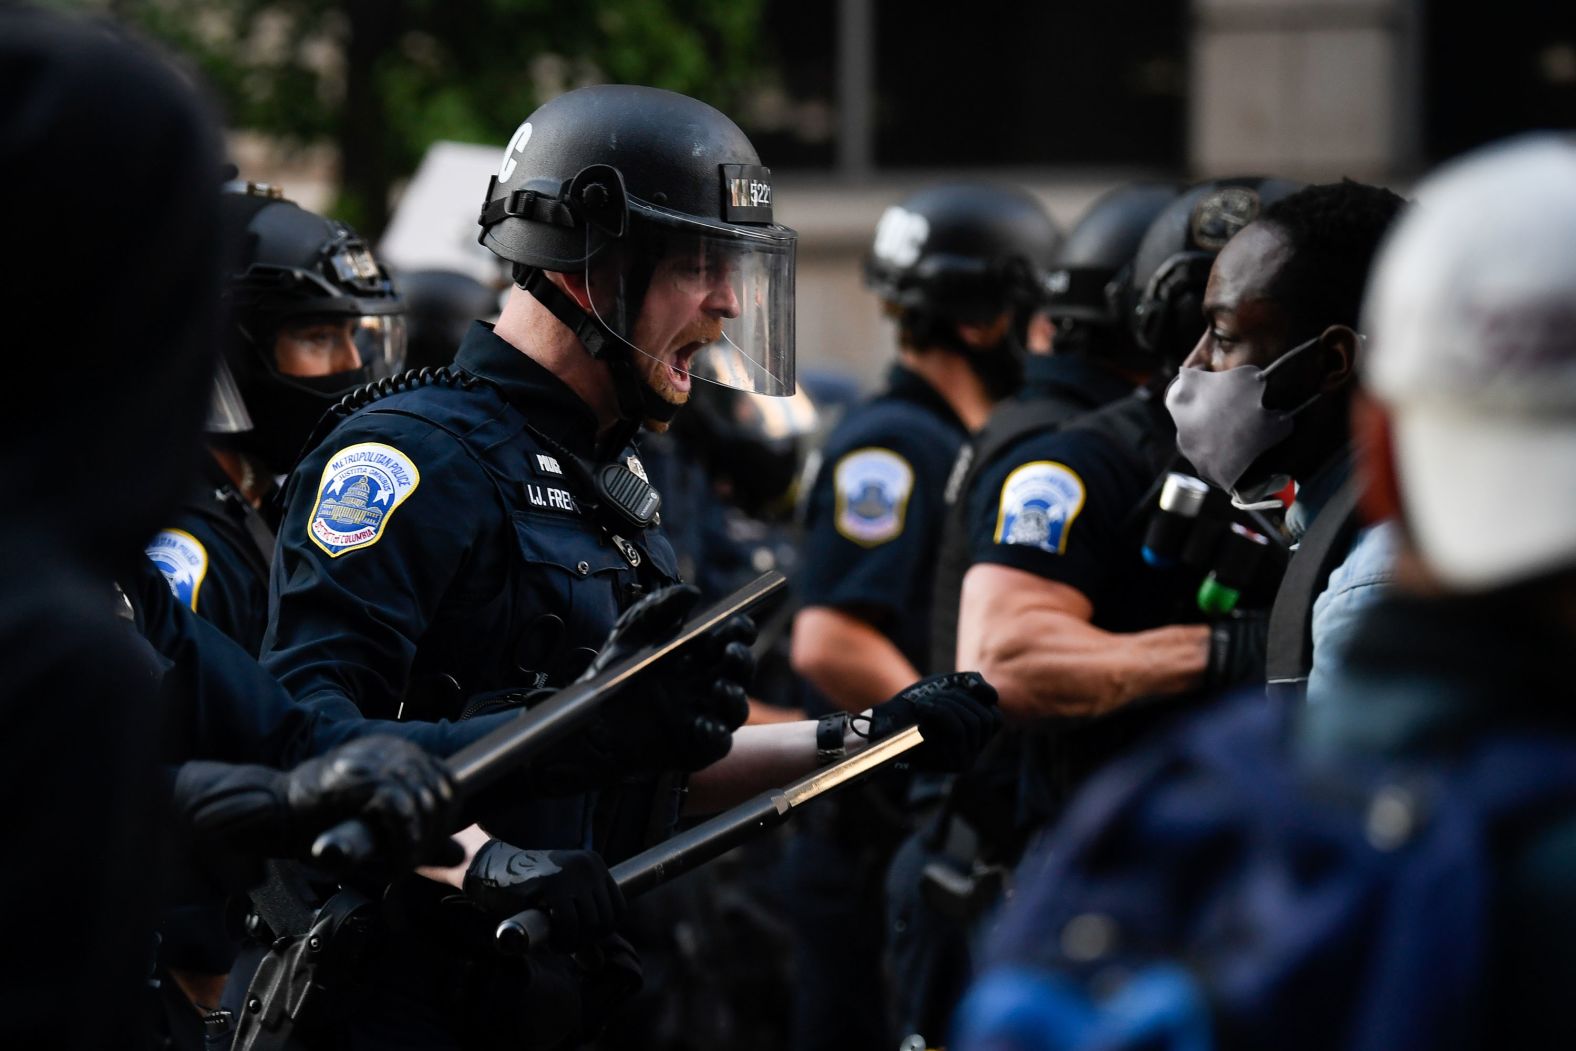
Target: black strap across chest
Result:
[[1289, 658]]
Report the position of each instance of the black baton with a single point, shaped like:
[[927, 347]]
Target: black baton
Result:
[[716, 835], [489, 758]]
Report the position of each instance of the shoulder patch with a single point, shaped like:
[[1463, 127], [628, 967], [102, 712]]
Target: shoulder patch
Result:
[[357, 495], [1039, 501], [872, 486], [183, 561]]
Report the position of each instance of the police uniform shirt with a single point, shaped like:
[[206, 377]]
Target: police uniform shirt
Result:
[[1071, 506], [432, 537], [1065, 505], [874, 514], [212, 561]]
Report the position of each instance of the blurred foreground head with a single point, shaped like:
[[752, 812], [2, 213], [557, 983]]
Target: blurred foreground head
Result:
[[109, 171], [1472, 317]]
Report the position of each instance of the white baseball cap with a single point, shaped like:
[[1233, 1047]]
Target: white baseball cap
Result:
[[1471, 314]]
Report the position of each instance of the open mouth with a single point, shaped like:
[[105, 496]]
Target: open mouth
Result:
[[679, 370]]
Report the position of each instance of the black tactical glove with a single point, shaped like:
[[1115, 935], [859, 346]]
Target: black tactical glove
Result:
[[955, 712], [1237, 647], [404, 796], [682, 714], [572, 886]]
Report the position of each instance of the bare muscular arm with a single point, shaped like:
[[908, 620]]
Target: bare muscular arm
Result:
[[1031, 638]]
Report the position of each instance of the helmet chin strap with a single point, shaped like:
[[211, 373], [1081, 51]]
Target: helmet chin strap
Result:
[[636, 400]]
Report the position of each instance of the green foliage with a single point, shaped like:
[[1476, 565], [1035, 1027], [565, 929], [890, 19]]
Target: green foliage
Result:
[[386, 78]]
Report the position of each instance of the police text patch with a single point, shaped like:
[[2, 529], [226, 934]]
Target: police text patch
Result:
[[1038, 504], [183, 561], [872, 487], [360, 488]]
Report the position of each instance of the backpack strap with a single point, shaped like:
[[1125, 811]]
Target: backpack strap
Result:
[[1289, 655]]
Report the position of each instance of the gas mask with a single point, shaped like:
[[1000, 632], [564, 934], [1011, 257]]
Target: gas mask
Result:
[[1224, 428]]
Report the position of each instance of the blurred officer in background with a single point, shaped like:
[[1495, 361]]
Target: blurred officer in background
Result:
[[1264, 398], [1391, 866], [1095, 360], [1059, 601], [440, 305], [311, 317], [961, 268]]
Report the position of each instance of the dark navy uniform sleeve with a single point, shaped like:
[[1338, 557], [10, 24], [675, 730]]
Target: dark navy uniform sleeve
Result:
[[1055, 506], [380, 528], [868, 524], [221, 704]]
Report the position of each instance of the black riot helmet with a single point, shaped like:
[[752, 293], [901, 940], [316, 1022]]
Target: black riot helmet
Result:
[[1091, 283], [965, 253], [1174, 258], [650, 197], [440, 305], [311, 314]]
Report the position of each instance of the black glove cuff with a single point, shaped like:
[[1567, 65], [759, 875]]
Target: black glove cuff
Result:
[[831, 739]]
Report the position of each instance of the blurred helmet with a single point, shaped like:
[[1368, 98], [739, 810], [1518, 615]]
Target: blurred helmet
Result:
[[440, 305], [753, 443], [1173, 261], [311, 317], [1092, 279], [1470, 312], [640, 190], [965, 253]]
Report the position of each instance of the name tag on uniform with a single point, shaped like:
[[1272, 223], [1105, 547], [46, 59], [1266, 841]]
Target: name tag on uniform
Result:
[[550, 498]]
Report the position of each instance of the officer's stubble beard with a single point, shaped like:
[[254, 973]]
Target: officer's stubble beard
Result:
[[656, 373]]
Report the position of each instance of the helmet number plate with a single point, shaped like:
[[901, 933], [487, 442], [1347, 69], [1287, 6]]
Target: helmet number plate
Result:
[[746, 193]]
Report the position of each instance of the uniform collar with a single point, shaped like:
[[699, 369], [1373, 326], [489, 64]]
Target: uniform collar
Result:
[[1062, 375], [904, 384], [544, 399]]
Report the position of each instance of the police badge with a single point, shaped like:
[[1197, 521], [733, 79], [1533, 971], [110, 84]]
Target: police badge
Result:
[[1038, 504], [872, 487], [360, 488]]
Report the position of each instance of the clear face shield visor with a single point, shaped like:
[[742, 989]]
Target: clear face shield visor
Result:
[[322, 354], [699, 301]]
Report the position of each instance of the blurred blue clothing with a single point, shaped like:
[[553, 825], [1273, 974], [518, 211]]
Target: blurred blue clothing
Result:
[[1355, 585]]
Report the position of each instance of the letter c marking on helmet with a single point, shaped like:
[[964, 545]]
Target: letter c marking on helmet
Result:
[[522, 135]]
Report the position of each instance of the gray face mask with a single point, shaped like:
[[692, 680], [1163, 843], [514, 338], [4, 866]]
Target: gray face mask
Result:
[[1223, 426]]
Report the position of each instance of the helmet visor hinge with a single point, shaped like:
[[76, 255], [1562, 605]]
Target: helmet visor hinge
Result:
[[597, 194]]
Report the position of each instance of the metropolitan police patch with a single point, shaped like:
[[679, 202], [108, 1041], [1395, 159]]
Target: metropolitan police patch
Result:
[[183, 561], [1038, 504], [872, 487], [361, 486]]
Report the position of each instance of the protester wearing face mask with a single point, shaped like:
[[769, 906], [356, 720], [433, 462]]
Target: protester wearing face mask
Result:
[[1264, 400]]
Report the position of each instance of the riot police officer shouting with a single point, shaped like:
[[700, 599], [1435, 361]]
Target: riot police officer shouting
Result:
[[462, 538]]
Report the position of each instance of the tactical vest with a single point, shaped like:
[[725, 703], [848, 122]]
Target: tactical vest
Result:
[[579, 573], [1125, 422]]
